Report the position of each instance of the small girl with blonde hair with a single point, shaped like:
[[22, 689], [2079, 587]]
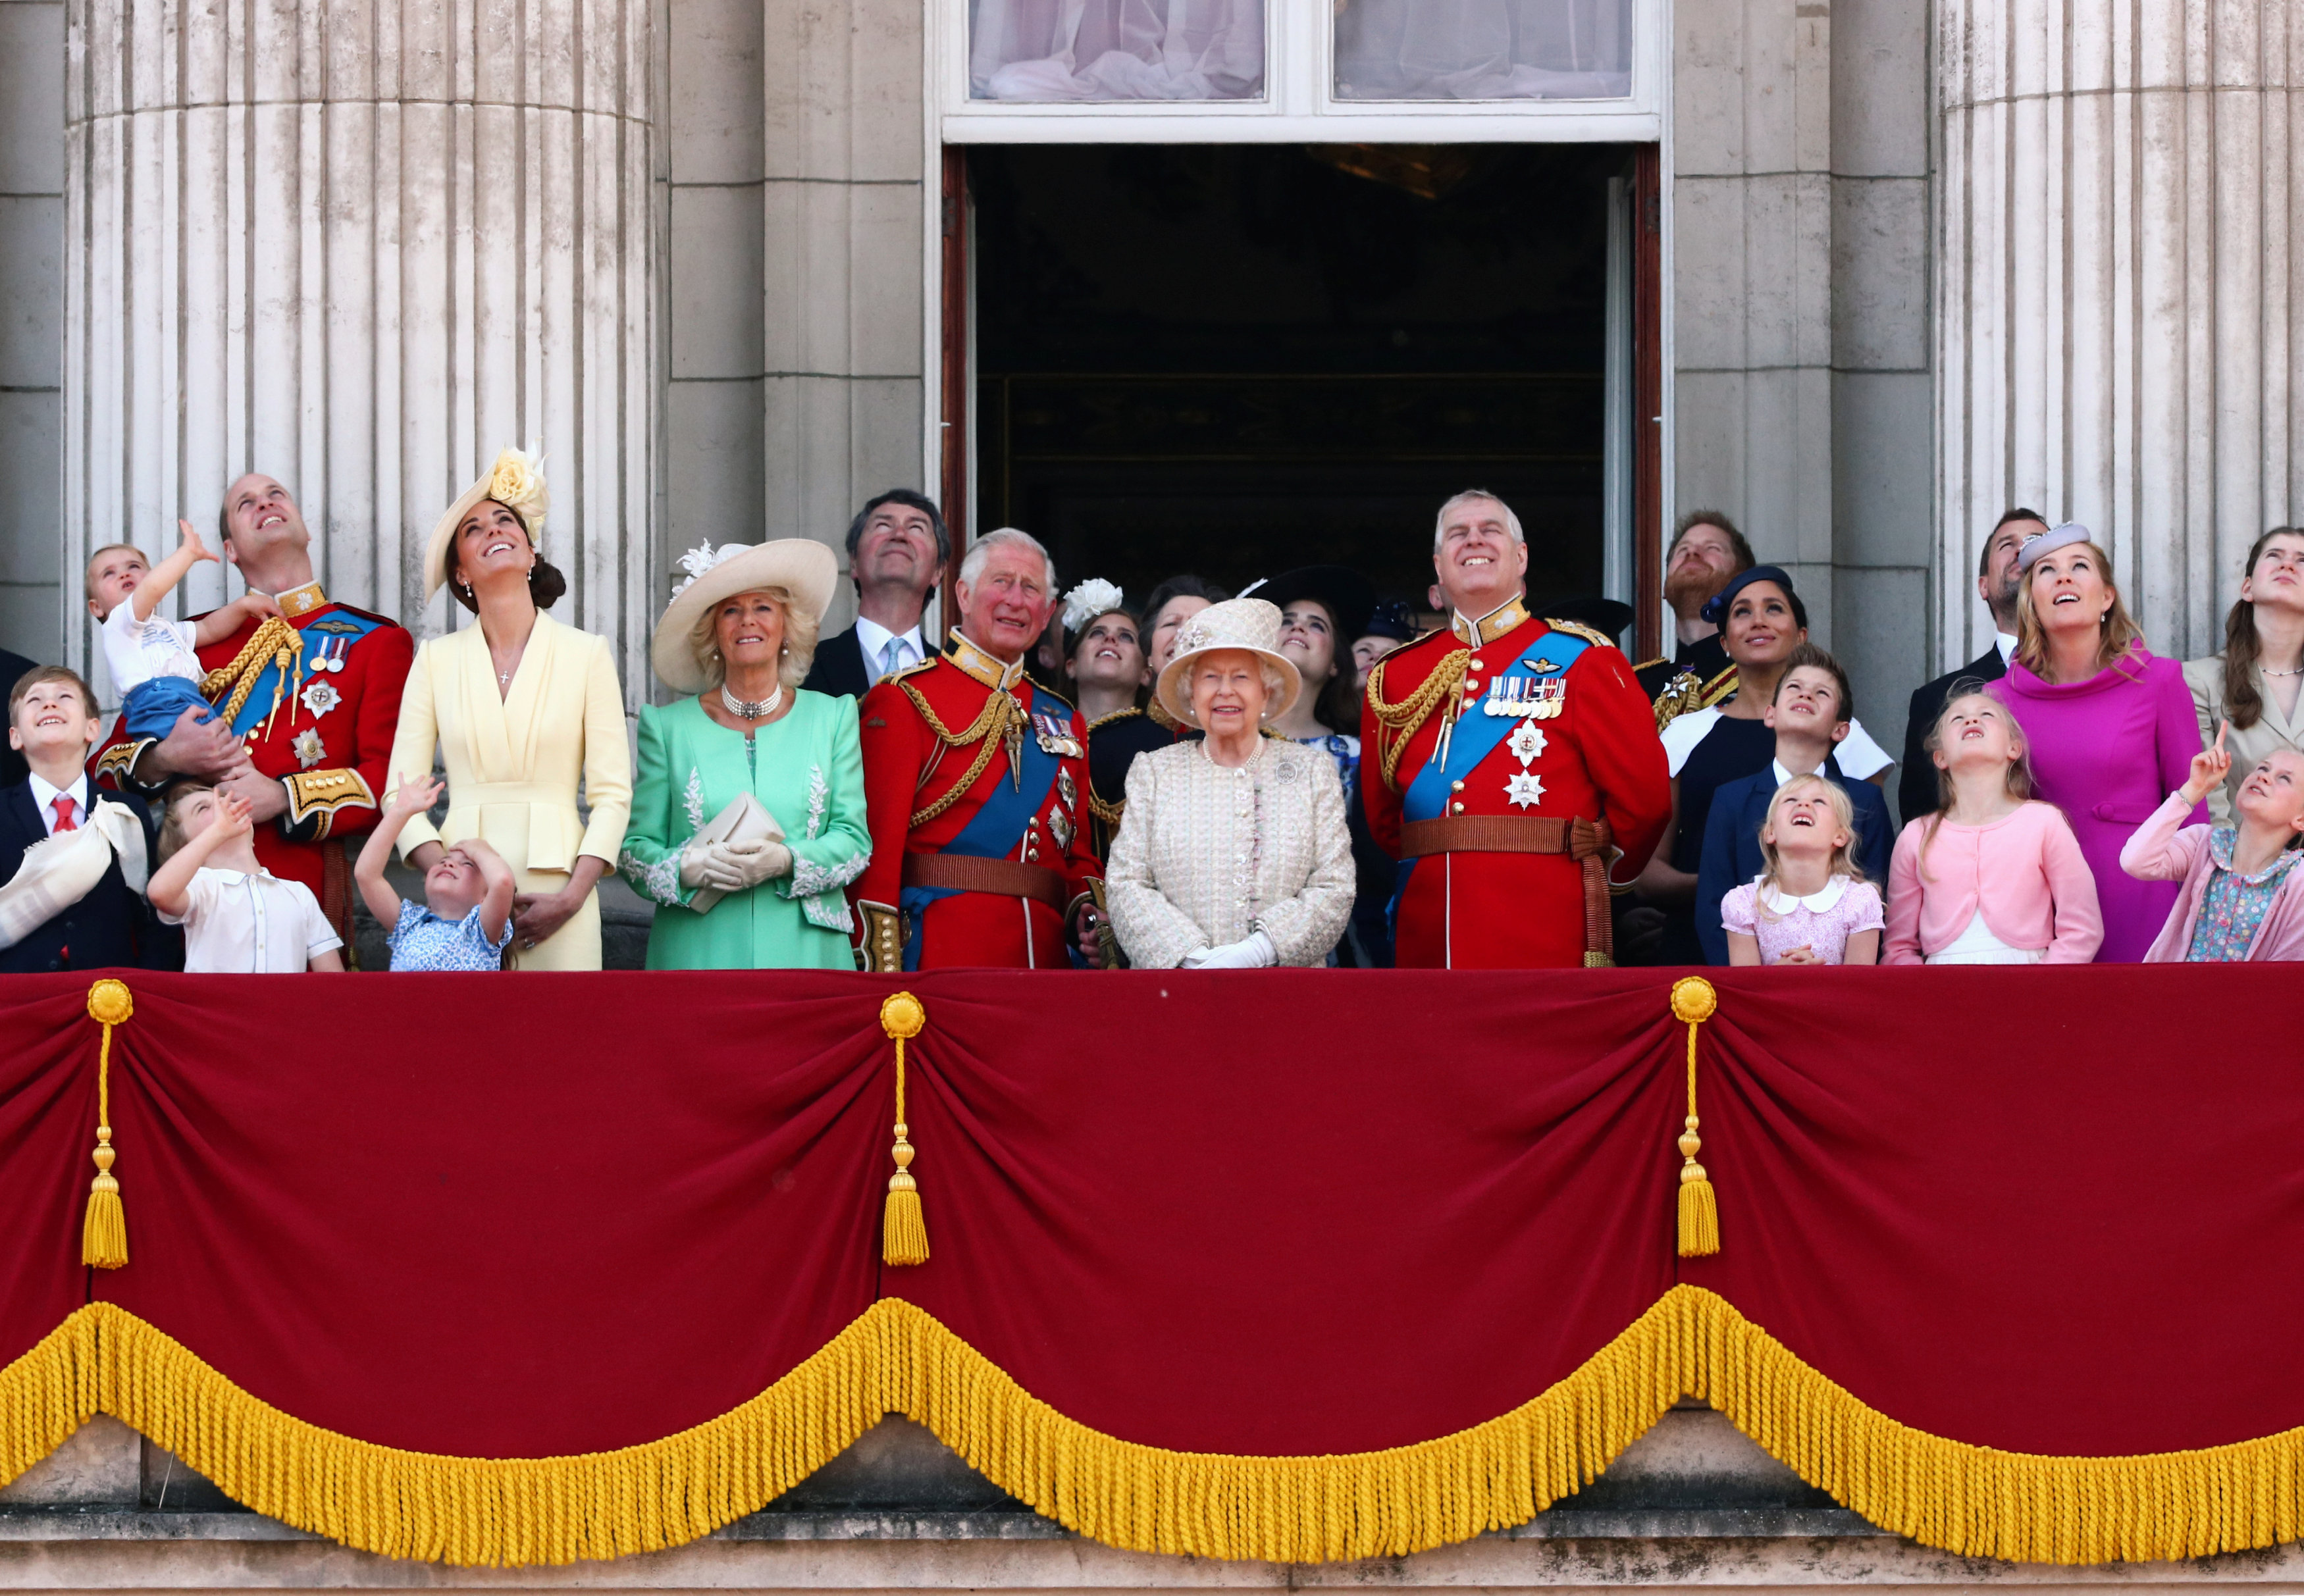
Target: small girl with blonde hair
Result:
[[1811, 904], [1995, 875]]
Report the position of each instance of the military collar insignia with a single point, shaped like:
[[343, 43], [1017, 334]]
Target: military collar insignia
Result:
[[981, 666], [300, 601], [1489, 626]]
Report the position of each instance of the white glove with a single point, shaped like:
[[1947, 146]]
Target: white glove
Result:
[[757, 862], [710, 864], [1253, 951]]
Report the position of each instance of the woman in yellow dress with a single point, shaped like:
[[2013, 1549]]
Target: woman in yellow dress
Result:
[[521, 708]]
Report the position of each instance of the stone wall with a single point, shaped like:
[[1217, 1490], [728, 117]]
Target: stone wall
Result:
[[31, 323]]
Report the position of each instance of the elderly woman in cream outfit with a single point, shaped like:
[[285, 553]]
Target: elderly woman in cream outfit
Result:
[[522, 709], [1233, 852]]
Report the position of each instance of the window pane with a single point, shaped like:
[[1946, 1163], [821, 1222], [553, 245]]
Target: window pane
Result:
[[1483, 49], [1050, 50]]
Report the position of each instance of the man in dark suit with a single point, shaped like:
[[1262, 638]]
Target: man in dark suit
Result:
[[13, 666], [1996, 583], [897, 546], [78, 907], [1810, 715]]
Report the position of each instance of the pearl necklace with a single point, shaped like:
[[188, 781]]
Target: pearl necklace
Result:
[[745, 710], [2269, 671]]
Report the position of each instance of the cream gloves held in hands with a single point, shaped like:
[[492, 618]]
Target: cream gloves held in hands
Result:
[[1253, 951], [732, 866]]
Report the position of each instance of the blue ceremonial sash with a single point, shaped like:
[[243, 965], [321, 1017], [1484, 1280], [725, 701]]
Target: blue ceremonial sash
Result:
[[320, 631], [992, 832], [1475, 736]]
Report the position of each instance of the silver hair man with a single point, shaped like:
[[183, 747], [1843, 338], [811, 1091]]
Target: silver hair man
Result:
[[972, 564], [1469, 495]]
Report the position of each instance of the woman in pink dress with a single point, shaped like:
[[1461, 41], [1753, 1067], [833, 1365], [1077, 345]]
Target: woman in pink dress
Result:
[[2110, 724]]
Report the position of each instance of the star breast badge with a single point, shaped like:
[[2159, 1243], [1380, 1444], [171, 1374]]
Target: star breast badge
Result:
[[309, 750], [1524, 789], [1526, 742], [320, 696]]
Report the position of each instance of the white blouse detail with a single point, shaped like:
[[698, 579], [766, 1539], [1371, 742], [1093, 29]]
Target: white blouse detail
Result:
[[1207, 854]]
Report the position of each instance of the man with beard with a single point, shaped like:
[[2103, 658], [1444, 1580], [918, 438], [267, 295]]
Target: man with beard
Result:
[[1706, 554], [897, 546], [1996, 583]]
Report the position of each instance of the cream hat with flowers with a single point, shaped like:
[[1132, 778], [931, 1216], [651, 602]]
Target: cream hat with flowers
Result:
[[1244, 623], [516, 482], [802, 567]]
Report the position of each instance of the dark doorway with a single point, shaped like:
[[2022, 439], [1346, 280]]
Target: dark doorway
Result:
[[1234, 359]]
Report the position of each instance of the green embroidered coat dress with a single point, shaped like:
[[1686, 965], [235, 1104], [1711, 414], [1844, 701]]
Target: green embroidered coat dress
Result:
[[808, 770]]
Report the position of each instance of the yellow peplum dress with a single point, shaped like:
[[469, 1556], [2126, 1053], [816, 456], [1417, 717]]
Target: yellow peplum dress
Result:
[[514, 761]]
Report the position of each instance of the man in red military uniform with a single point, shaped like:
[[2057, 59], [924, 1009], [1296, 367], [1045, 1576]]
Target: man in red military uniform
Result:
[[976, 789], [305, 717], [1506, 762]]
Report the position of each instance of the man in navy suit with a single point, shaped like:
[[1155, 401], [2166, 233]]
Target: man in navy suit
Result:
[[78, 907], [897, 546], [1812, 706]]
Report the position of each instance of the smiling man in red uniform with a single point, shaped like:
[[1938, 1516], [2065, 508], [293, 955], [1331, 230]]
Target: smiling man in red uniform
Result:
[[976, 789], [1511, 763], [305, 727]]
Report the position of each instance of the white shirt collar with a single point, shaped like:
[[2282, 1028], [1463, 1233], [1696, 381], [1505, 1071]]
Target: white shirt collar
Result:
[[44, 796], [2006, 643], [876, 639], [1781, 902]]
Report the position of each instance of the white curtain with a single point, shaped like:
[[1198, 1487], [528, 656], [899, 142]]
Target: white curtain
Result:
[[1484, 49], [1116, 49]]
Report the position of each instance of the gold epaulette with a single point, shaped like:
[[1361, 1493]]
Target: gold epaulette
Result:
[[1577, 628], [1688, 692], [914, 669]]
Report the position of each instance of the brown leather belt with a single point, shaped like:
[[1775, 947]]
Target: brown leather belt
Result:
[[964, 873], [1586, 841]]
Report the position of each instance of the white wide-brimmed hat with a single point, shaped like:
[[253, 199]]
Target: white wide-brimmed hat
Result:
[[1244, 623], [516, 482], [802, 567]]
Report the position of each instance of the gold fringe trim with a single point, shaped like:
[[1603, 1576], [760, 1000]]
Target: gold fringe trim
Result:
[[896, 1358]]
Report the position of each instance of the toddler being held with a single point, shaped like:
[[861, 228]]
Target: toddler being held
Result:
[[154, 664], [465, 920], [1811, 904]]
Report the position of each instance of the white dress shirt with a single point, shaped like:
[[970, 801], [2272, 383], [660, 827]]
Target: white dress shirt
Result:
[[884, 652], [44, 798], [240, 925], [2006, 643]]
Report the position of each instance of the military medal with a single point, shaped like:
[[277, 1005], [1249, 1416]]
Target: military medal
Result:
[[1524, 789], [1067, 792], [1060, 827], [1526, 743], [309, 750], [1056, 738], [320, 696]]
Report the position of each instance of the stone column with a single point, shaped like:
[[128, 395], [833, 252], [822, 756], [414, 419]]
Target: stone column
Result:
[[359, 244], [2116, 227]]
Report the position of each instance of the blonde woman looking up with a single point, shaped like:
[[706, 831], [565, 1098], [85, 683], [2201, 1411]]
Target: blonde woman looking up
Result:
[[521, 710], [1196, 810]]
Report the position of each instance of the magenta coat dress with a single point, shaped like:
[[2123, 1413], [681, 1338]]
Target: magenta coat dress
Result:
[[2107, 752]]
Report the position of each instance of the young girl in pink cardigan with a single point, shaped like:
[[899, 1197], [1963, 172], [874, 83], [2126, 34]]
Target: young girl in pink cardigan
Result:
[[1994, 876], [2243, 896]]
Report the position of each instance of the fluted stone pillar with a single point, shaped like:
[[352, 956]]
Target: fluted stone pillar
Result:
[[359, 244], [2117, 225]]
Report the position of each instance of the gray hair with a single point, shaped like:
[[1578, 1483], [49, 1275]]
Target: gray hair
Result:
[[1456, 502], [972, 564]]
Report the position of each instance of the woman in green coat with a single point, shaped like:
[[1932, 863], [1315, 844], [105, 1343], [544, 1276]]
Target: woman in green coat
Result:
[[747, 815]]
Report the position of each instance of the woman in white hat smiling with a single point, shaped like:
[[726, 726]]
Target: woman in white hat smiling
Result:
[[749, 820], [521, 709], [1233, 852]]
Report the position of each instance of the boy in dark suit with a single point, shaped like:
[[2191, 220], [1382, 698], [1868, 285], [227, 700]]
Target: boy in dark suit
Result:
[[76, 903], [1812, 706]]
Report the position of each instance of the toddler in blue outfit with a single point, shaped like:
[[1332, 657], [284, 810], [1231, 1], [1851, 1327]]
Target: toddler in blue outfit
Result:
[[465, 920]]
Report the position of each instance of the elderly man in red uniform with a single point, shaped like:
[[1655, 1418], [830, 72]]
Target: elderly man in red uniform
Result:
[[976, 790], [1505, 762], [307, 704]]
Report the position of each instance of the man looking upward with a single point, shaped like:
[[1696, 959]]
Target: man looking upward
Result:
[[897, 546], [1707, 553]]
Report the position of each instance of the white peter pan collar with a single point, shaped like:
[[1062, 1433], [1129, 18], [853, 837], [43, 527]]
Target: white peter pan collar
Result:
[[1781, 902]]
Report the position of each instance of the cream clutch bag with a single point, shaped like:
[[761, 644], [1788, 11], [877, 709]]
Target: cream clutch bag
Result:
[[746, 819]]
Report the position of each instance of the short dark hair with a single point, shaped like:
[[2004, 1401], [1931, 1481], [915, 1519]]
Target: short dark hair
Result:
[[1183, 586], [39, 673], [911, 501], [1984, 557], [1810, 655], [1744, 559]]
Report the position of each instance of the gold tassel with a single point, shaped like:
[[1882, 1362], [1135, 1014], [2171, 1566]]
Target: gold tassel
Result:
[[903, 1228], [1693, 1003], [104, 1234]]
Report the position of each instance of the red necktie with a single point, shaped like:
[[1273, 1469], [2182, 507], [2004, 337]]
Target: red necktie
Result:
[[64, 805]]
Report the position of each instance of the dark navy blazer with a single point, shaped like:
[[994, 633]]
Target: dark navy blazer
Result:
[[110, 927]]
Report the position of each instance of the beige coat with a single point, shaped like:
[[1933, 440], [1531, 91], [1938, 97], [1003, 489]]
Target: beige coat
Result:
[[2272, 732], [514, 759]]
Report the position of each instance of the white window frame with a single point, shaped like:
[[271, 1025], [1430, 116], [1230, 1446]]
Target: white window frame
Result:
[[1300, 104]]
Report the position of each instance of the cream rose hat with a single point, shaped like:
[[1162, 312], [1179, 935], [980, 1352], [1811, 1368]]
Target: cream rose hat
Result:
[[1244, 623], [516, 482], [802, 567]]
